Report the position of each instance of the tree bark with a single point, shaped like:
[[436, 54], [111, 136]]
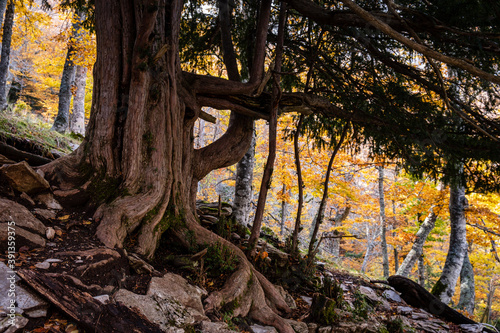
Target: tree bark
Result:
[[467, 287], [300, 184], [369, 249], [421, 271], [77, 119], [322, 206], [137, 164], [418, 245], [284, 211], [3, 7], [383, 239], [243, 189], [61, 122], [5, 57], [445, 286], [273, 123]]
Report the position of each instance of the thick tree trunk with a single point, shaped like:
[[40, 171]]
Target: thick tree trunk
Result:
[[445, 286], [418, 245], [77, 119], [243, 189], [137, 163], [467, 287], [383, 239], [61, 122], [5, 57]]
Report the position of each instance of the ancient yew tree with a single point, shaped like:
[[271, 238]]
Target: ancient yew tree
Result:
[[137, 165]]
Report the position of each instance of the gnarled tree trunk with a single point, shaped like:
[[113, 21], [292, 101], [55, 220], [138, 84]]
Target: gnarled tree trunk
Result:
[[137, 162]]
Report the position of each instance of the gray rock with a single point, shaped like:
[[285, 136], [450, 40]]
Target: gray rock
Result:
[[263, 329], [375, 299], [51, 260], [102, 298], [175, 286], [47, 199], [45, 213], [325, 329], [165, 311], [312, 327], [215, 327], [27, 199], [23, 178], [471, 328], [12, 211], [392, 296], [307, 299], [25, 300], [43, 265], [13, 325], [22, 237], [405, 310], [50, 234], [298, 326]]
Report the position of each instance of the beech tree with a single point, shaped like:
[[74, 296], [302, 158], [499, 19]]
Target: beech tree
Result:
[[137, 165]]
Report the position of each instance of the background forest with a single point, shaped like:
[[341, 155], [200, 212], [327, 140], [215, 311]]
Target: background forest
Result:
[[374, 201]]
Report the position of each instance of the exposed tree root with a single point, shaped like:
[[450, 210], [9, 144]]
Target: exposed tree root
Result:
[[247, 292]]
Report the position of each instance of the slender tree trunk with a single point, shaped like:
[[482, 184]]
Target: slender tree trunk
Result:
[[61, 122], [467, 287], [300, 184], [385, 254], [445, 286], [5, 57], [273, 124], [395, 249], [77, 119], [322, 206], [3, 6], [486, 317], [284, 211], [369, 250], [418, 245], [421, 270], [337, 222], [243, 189]]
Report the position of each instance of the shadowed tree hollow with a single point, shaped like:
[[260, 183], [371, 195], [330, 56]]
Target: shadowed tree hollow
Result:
[[139, 169]]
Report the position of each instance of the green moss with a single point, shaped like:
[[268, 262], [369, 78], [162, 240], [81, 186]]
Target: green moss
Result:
[[438, 288], [328, 314], [361, 307], [220, 260]]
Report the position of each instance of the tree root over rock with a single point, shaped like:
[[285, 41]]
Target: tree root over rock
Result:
[[247, 292]]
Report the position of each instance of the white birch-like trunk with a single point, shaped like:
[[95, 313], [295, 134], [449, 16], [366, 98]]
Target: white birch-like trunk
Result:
[[385, 255], [445, 286], [77, 119], [417, 248], [243, 192], [467, 287]]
